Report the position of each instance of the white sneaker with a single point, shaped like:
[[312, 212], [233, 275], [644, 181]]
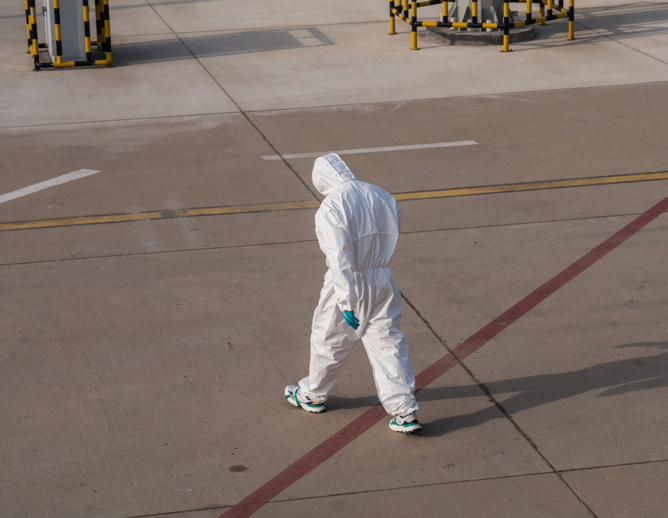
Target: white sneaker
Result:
[[405, 424], [296, 398]]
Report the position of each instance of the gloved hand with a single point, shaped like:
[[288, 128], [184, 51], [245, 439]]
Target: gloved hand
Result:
[[351, 319]]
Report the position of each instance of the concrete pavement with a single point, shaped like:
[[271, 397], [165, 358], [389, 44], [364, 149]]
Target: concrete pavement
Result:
[[142, 363]]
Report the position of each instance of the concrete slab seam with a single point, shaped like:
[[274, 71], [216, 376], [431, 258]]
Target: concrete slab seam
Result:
[[398, 488], [452, 482], [622, 43], [273, 207], [301, 241], [606, 466], [499, 406], [119, 121], [375, 414], [327, 107], [423, 99], [206, 70], [349, 493]]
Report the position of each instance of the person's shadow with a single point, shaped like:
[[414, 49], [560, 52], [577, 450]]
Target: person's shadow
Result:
[[617, 377]]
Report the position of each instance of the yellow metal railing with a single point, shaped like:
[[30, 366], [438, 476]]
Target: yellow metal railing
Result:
[[103, 36], [400, 9]]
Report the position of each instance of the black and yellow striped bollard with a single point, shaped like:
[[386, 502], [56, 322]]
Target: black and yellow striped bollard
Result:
[[414, 45], [506, 26], [571, 19]]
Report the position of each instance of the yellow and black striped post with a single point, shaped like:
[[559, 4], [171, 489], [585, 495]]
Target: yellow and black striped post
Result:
[[59, 44], [445, 12], [86, 20], [506, 26], [28, 26], [542, 13], [474, 11], [98, 24], [414, 45], [529, 12], [106, 31], [392, 21], [103, 35], [571, 19], [34, 44], [550, 6]]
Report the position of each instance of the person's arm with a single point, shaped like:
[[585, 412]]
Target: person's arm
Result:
[[398, 215], [336, 243]]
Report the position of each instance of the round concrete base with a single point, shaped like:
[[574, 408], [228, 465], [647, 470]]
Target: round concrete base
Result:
[[456, 37]]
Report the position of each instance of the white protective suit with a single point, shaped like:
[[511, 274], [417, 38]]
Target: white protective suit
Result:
[[357, 227]]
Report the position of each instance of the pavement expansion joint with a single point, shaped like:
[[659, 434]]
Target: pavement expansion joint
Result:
[[479, 383], [497, 404], [226, 93], [621, 43], [300, 241], [348, 493], [287, 164], [172, 513], [415, 486], [325, 107], [523, 223], [160, 252], [521, 308], [300, 205], [113, 121], [461, 96], [605, 466]]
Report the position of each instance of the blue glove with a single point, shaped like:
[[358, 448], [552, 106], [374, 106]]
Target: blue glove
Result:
[[351, 319]]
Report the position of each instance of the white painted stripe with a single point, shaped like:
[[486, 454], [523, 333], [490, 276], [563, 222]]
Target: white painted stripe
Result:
[[75, 175], [375, 150]]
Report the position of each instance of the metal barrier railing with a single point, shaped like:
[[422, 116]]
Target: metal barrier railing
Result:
[[407, 11], [103, 32]]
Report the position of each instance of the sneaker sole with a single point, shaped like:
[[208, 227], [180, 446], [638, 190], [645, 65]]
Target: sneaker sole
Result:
[[406, 429], [293, 401]]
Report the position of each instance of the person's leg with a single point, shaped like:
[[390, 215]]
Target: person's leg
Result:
[[332, 341], [392, 369], [389, 354]]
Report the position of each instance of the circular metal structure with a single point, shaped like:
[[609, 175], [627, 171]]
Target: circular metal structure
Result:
[[467, 37], [473, 16]]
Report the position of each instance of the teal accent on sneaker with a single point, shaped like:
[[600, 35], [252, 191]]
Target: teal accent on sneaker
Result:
[[292, 396], [401, 424]]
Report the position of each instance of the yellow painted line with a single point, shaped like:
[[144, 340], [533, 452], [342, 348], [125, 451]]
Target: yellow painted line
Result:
[[161, 214], [532, 186], [300, 205]]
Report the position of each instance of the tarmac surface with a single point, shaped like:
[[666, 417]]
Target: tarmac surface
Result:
[[146, 343]]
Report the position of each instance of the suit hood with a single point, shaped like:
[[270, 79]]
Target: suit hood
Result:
[[329, 172]]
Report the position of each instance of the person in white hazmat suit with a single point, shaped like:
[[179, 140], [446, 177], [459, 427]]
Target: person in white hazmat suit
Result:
[[357, 227]]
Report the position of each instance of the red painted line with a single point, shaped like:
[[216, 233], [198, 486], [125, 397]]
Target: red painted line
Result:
[[375, 414]]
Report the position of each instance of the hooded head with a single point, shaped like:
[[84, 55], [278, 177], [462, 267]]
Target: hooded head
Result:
[[329, 172]]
